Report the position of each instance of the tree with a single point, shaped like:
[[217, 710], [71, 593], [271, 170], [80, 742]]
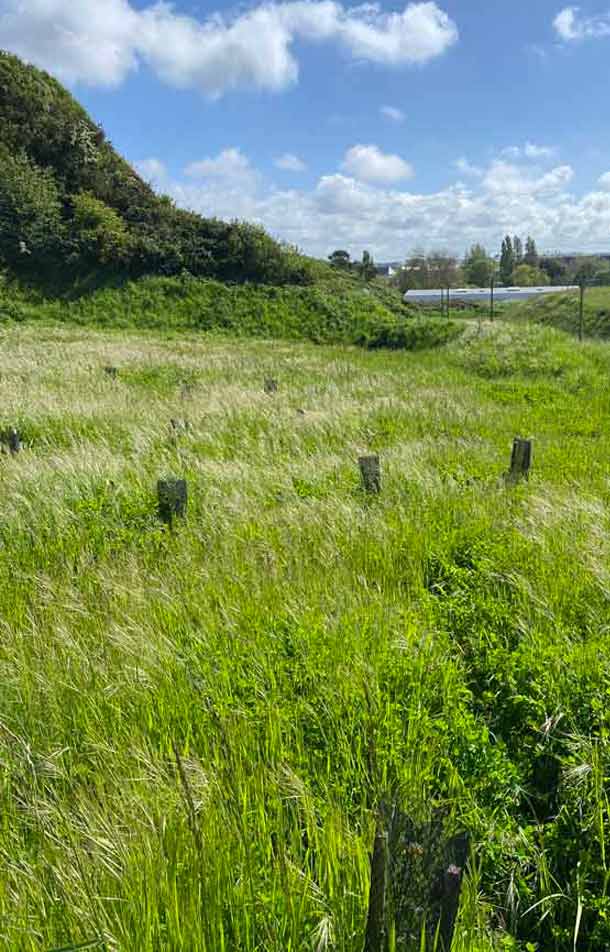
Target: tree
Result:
[[586, 269], [31, 225], [531, 253], [554, 269], [417, 270], [443, 270], [518, 250], [367, 267], [101, 234], [478, 267], [526, 276], [507, 261], [340, 259]]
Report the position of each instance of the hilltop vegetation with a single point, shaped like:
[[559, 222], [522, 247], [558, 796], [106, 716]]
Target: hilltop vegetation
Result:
[[71, 206]]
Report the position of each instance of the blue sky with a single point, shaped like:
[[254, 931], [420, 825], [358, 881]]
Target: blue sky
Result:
[[382, 126]]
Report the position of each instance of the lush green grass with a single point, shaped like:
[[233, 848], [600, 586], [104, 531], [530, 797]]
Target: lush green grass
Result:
[[337, 307], [562, 311], [196, 728]]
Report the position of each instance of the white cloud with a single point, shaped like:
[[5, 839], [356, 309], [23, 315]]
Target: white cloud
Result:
[[152, 170], [467, 168], [228, 164], [342, 211], [570, 25], [529, 151], [604, 181], [392, 113], [89, 40], [100, 43], [289, 163], [368, 163], [508, 180]]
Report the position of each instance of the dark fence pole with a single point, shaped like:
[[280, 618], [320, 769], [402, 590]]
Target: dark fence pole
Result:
[[375, 924]]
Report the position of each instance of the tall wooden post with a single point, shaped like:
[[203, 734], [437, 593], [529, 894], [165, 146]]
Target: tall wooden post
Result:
[[491, 297], [375, 923], [581, 312]]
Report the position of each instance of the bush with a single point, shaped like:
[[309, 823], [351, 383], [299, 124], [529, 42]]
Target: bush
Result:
[[409, 334]]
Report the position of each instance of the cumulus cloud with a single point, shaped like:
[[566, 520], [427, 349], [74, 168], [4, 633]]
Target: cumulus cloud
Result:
[[392, 113], [367, 163], [467, 168], [289, 163], [570, 25], [101, 43], [341, 210], [228, 164], [529, 151]]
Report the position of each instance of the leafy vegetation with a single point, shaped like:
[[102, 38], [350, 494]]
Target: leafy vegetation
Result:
[[338, 307], [70, 206], [196, 728], [562, 311]]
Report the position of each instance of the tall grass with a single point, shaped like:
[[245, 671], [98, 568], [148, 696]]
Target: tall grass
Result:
[[187, 718]]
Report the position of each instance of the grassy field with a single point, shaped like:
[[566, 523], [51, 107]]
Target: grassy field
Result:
[[562, 311], [196, 728]]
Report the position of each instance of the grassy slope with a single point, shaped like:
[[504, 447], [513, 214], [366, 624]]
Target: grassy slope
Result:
[[289, 627], [562, 311], [336, 308]]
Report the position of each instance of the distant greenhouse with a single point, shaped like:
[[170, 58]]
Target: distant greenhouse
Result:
[[483, 294]]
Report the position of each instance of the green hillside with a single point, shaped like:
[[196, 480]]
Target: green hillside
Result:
[[562, 311], [70, 205]]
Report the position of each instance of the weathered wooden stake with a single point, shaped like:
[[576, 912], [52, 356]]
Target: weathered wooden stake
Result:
[[173, 497], [452, 883], [270, 385], [520, 461], [375, 922], [370, 470], [14, 441], [111, 371]]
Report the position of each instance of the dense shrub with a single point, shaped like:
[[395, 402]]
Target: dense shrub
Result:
[[76, 204]]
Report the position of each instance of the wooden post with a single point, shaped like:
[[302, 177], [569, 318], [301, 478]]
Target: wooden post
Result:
[[14, 441], [448, 303], [370, 470], [270, 385], [452, 883], [375, 922], [520, 461], [172, 499], [442, 301], [581, 312], [491, 297], [111, 371]]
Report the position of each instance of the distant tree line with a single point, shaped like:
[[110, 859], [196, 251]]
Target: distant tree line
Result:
[[518, 264]]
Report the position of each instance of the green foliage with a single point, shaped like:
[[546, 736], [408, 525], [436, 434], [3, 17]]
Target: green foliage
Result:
[[340, 259], [66, 192], [527, 276], [415, 334], [337, 308], [562, 311], [101, 235], [478, 267], [531, 253], [366, 269], [31, 226], [507, 261]]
